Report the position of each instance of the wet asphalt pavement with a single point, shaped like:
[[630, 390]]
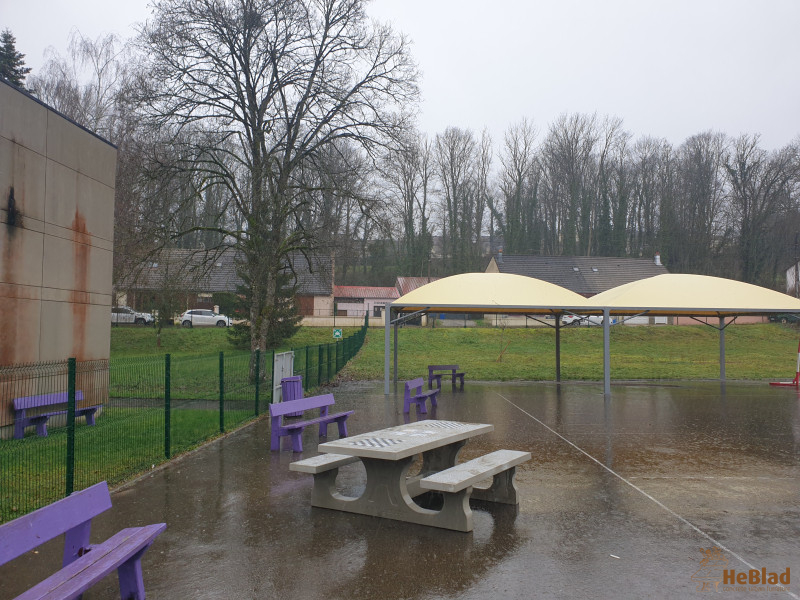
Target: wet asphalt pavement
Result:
[[620, 497]]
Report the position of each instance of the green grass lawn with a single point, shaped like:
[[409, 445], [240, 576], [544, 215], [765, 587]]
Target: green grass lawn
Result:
[[145, 341], [758, 351], [124, 443]]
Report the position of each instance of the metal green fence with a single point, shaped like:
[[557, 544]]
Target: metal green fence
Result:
[[150, 409]]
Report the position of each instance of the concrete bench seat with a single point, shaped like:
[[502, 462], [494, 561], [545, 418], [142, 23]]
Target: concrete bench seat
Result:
[[322, 463], [294, 429], [23, 419], [414, 394], [83, 564], [499, 465]]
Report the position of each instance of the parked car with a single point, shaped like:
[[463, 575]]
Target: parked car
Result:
[[785, 318], [582, 320], [201, 317], [571, 320], [125, 314]]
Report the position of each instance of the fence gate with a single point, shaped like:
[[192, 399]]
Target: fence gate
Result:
[[283, 366]]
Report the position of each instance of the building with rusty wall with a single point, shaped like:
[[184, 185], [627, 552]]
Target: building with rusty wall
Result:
[[56, 234]]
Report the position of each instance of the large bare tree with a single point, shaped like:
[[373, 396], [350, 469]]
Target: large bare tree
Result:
[[271, 84]]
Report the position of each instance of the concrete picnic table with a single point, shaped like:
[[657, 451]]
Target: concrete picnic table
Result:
[[387, 455]]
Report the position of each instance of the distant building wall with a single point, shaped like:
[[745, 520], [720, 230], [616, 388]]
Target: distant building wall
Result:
[[56, 235]]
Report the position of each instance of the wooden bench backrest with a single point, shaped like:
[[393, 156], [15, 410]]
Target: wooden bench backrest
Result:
[[432, 368], [414, 384], [292, 406], [45, 400], [25, 533]]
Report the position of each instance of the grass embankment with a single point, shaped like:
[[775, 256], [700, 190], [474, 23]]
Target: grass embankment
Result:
[[758, 351], [144, 341]]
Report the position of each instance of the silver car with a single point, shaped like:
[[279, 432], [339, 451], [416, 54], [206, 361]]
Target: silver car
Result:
[[125, 314], [201, 317]]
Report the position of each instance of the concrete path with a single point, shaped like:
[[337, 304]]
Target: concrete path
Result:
[[620, 500]]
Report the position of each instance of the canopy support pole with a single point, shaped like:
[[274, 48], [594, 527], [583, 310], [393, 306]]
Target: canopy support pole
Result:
[[386, 329], [558, 347], [722, 348], [396, 327], [606, 353]]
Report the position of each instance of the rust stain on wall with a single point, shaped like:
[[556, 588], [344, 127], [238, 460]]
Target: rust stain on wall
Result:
[[12, 251], [80, 286]]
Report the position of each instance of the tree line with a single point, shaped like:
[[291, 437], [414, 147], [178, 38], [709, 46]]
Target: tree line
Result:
[[273, 127]]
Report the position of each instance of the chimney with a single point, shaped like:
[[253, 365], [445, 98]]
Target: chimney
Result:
[[658, 259], [500, 256]]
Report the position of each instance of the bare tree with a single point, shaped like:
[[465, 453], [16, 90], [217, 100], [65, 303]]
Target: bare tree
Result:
[[762, 187], [517, 211], [407, 176], [693, 224], [272, 84]]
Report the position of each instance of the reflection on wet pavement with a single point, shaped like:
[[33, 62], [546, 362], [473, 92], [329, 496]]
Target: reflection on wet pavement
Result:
[[619, 499]]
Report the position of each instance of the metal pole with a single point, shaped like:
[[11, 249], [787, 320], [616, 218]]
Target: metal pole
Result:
[[271, 376], [258, 376], [796, 268], [606, 353], [722, 348], [387, 318], [396, 327], [167, 406], [221, 392], [70, 478], [558, 345]]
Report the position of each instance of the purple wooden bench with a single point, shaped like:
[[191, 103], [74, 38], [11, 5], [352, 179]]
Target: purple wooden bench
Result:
[[437, 377], [414, 395], [294, 429], [23, 405], [84, 564]]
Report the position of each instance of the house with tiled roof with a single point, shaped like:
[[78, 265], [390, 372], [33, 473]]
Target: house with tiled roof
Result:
[[194, 276], [405, 285], [358, 300], [585, 275]]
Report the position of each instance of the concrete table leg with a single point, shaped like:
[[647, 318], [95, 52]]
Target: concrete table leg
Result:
[[386, 495]]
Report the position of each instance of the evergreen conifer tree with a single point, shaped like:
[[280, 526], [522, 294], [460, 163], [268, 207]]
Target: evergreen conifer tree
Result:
[[12, 65]]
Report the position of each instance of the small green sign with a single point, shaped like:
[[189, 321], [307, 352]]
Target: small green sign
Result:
[[337, 334]]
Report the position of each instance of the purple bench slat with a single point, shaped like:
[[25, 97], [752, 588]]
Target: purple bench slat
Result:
[[66, 515], [294, 429], [79, 576], [414, 394], [83, 564]]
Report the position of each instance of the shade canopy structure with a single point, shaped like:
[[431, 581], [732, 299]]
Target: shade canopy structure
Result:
[[676, 294], [663, 295], [490, 293], [483, 293]]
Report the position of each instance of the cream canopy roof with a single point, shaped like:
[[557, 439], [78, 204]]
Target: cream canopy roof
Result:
[[696, 295], [491, 292]]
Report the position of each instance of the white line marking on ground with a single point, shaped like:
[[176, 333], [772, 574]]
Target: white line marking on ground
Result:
[[640, 490]]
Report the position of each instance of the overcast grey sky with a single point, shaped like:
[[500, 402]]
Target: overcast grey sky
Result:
[[669, 69]]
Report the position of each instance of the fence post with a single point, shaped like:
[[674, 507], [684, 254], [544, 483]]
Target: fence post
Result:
[[327, 363], [319, 365], [70, 479], [306, 384], [167, 407], [222, 392], [258, 375], [271, 372]]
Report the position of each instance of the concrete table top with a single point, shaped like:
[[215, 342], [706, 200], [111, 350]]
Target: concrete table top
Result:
[[402, 441]]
